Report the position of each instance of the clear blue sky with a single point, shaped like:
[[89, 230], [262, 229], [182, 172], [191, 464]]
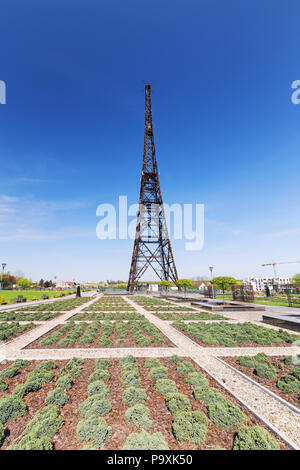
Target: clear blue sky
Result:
[[226, 132]]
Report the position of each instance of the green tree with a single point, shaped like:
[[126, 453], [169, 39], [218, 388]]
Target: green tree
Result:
[[223, 282], [185, 284], [165, 284], [23, 282]]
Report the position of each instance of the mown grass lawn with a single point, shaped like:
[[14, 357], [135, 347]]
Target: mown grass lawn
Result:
[[10, 295]]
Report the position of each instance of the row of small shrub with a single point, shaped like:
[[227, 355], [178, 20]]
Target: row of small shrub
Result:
[[263, 367], [47, 421], [54, 337], [138, 414], [231, 335], [222, 412], [60, 305], [93, 431], [9, 330]]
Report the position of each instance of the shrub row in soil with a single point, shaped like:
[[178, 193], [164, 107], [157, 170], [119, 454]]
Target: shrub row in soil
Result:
[[104, 334], [95, 396], [279, 374], [234, 334], [9, 331]]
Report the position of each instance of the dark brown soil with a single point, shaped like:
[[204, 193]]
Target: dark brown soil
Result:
[[268, 383], [161, 417], [128, 342]]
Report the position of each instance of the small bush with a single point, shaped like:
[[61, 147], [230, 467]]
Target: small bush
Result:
[[156, 373], [102, 363], [265, 371], [101, 374], [57, 397], [262, 357], [130, 379], [65, 382], [132, 395], [127, 360], [98, 387], [175, 359], [96, 405], [225, 415], [3, 385], [46, 422], [165, 386], [184, 368], [246, 361], [196, 379], [254, 438], [152, 362], [31, 442], [139, 415], [190, 426], [94, 431], [208, 395], [47, 365], [296, 373], [9, 372], [145, 441], [21, 363], [11, 407], [177, 402], [289, 384]]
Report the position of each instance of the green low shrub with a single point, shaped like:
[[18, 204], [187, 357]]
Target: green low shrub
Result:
[[225, 415], [246, 361], [127, 360], [130, 379], [65, 382], [152, 362], [46, 422], [190, 426], [175, 359], [296, 373], [139, 415], [156, 373], [177, 402], [94, 431], [31, 442], [46, 365], [11, 407], [254, 438], [9, 372], [100, 374], [208, 395], [101, 363], [165, 386], [98, 387], [145, 441], [196, 379], [57, 397], [265, 371], [133, 395], [3, 385], [96, 405], [184, 368], [289, 384]]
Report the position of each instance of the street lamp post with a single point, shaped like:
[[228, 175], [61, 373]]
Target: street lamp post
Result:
[[3, 267], [211, 280]]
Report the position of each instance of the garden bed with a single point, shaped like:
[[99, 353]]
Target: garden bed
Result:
[[107, 316], [65, 436], [225, 334], [188, 316], [282, 369], [102, 335], [9, 331]]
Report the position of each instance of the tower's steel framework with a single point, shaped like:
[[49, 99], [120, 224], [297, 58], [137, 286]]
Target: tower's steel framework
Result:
[[152, 247]]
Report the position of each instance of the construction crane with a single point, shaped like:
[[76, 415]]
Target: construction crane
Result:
[[274, 263]]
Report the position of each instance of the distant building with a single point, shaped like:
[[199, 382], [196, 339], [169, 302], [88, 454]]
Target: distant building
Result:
[[259, 283], [65, 284]]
